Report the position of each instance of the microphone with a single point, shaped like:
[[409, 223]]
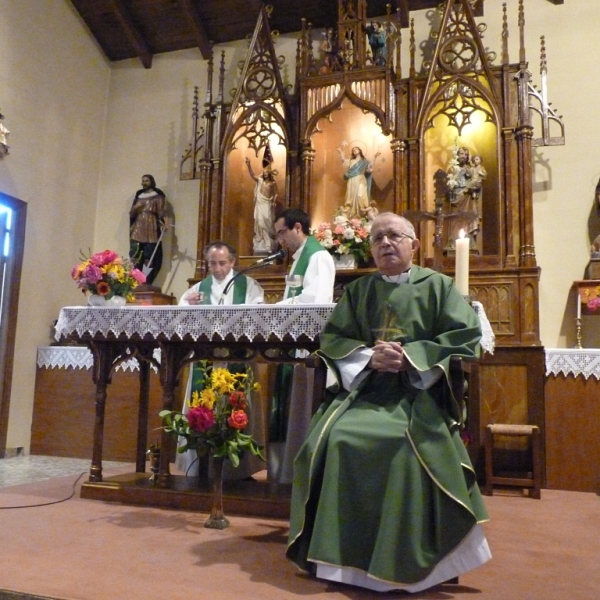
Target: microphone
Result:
[[268, 259], [263, 261]]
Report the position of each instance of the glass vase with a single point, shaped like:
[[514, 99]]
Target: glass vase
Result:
[[117, 301], [96, 300], [345, 261], [217, 519]]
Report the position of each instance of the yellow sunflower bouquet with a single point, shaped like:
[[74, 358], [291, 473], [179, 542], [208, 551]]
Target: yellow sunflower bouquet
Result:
[[216, 415]]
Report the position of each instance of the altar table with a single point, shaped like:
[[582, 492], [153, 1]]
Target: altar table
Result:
[[181, 335]]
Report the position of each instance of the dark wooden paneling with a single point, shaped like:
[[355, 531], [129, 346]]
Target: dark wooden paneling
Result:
[[63, 414], [573, 433], [509, 388]]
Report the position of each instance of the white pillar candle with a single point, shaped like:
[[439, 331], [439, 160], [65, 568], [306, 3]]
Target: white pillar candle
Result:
[[578, 306], [461, 268]]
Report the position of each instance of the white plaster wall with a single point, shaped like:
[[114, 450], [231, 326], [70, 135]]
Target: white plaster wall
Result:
[[53, 85], [148, 128]]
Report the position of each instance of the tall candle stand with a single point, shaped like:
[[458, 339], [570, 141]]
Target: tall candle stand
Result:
[[578, 332]]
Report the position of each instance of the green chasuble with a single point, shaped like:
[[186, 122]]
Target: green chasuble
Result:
[[383, 482]]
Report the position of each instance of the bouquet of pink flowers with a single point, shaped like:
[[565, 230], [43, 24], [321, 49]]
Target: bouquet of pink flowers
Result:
[[217, 415], [594, 303], [345, 236], [107, 274]]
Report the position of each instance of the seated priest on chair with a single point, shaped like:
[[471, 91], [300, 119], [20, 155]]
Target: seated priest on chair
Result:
[[220, 258], [384, 494], [291, 407]]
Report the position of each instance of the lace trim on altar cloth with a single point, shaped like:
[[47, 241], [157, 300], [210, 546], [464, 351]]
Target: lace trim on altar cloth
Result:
[[488, 339], [213, 322], [573, 361], [79, 357]]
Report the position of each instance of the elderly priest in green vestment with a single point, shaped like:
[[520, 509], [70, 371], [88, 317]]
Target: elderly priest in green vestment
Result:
[[384, 495]]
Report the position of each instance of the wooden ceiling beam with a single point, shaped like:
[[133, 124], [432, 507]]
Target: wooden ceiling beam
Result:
[[195, 23], [133, 34]]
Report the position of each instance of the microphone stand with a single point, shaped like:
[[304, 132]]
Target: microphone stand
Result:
[[259, 263]]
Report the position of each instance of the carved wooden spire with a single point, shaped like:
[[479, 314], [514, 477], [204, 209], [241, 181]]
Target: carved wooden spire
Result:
[[259, 108]]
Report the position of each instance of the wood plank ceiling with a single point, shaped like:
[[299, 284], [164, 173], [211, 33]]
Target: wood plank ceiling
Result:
[[142, 28]]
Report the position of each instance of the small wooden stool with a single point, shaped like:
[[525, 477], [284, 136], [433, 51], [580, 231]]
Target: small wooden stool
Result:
[[535, 481]]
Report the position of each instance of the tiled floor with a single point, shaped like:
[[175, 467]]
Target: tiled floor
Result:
[[27, 469]]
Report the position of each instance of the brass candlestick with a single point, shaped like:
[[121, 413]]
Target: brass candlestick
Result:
[[578, 330], [154, 453]]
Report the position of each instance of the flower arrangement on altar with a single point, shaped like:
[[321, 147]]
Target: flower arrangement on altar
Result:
[[107, 274], [345, 236], [217, 415], [594, 303]]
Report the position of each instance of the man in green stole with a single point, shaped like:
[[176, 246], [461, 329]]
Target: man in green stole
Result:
[[384, 495], [220, 258], [290, 412]]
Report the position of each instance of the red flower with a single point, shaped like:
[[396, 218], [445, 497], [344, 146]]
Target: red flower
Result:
[[238, 399], [201, 418], [238, 420], [102, 288]]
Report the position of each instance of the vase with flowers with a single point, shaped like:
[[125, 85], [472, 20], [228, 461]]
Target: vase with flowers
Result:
[[593, 302], [345, 237], [109, 278], [214, 424]]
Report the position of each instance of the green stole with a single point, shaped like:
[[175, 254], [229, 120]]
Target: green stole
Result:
[[311, 246], [240, 286]]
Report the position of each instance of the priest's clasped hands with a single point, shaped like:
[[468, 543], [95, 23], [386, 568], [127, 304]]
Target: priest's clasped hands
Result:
[[389, 357]]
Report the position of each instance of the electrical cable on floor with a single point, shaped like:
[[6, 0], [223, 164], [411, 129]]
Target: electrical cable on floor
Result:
[[48, 503]]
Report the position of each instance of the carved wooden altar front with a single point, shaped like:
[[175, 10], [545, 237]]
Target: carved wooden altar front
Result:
[[413, 108]]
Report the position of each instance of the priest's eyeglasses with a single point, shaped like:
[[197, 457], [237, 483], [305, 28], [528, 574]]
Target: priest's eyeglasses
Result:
[[394, 237]]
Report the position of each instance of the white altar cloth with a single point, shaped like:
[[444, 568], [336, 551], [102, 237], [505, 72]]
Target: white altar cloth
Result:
[[261, 321], [573, 361], [248, 322]]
